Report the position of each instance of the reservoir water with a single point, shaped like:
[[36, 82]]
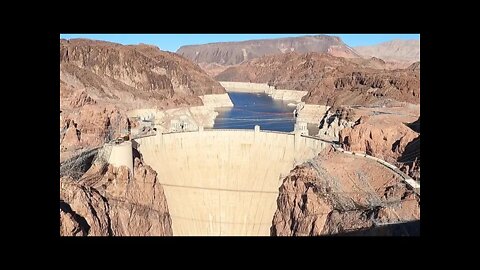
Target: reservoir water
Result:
[[252, 109]]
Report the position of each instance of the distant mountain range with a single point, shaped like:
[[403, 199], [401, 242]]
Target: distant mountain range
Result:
[[394, 50], [213, 56], [232, 53], [331, 80]]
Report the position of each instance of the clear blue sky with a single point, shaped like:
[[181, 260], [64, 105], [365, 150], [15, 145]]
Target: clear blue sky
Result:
[[171, 42]]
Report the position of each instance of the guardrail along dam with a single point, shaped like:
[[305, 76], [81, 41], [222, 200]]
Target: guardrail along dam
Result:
[[224, 182]]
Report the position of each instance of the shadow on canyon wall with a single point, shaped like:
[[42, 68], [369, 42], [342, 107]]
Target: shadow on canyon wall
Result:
[[411, 228]]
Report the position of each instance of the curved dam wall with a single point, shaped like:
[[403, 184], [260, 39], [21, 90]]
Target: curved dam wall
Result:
[[224, 182]]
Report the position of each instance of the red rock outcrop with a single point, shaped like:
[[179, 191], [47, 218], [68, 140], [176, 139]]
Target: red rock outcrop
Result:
[[70, 225], [338, 193], [100, 81], [213, 69], [92, 125], [87, 209], [336, 119], [81, 98], [70, 139], [232, 53], [386, 137], [387, 142], [129, 75], [330, 80], [114, 203]]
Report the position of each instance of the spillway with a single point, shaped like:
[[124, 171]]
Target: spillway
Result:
[[224, 182]]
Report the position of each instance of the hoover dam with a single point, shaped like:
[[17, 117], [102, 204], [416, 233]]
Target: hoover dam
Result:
[[224, 182], [227, 182], [293, 139]]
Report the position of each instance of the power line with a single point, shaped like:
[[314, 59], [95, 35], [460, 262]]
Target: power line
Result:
[[163, 213], [277, 192]]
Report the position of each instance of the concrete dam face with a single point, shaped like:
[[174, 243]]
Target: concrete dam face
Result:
[[224, 182]]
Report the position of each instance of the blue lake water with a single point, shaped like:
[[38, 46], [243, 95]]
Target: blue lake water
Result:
[[252, 109]]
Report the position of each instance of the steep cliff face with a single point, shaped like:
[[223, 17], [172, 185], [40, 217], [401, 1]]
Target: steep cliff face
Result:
[[415, 66], [232, 53], [388, 138], [338, 193], [330, 80], [100, 81], [126, 74], [83, 211], [409, 161], [387, 142], [213, 69], [80, 99], [111, 202], [211, 57], [91, 126], [335, 120]]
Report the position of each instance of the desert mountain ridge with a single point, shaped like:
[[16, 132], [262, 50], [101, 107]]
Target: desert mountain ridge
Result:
[[331, 80], [100, 81], [130, 73], [216, 57], [232, 53], [398, 50]]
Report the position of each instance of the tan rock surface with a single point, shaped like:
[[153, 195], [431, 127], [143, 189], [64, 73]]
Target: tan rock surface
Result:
[[138, 207], [335, 120], [100, 81], [385, 138], [87, 206], [69, 225], [91, 125], [70, 139], [232, 53], [330, 80], [130, 76], [81, 98], [114, 203], [388, 136], [338, 193], [213, 69], [406, 51]]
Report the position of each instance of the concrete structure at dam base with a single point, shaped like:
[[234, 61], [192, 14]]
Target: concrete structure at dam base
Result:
[[224, 182], [121, 154]]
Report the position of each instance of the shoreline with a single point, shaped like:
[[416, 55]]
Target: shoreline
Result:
[[282, 94], [185, 118]]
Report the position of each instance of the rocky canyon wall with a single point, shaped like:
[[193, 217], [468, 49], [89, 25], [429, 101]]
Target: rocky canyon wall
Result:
[[109, 201], [101, 81], [337, 193], [330, 80]]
